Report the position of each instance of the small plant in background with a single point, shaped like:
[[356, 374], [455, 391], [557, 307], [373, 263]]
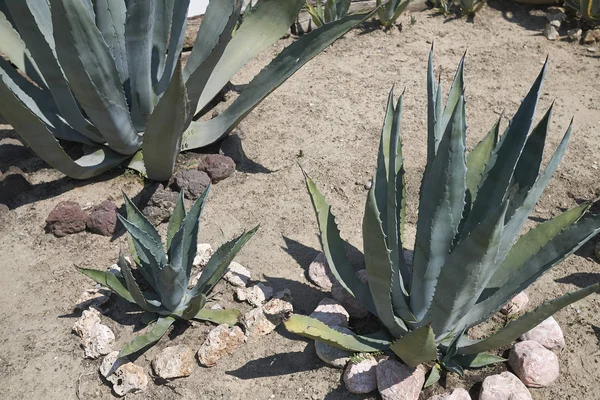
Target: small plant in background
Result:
[[159, 283], [332, 11], [389, 12], [470, 7], [469, 259], [588, 10]]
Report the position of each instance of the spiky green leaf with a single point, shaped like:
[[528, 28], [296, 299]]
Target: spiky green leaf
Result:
[[416, 346], [229, 317], [142, 342]]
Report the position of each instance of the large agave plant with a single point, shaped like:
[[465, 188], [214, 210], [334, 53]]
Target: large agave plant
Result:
[[589, 10], [160, 284], [107, 74], [469, 259]]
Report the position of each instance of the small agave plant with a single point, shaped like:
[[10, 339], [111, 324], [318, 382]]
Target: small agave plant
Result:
[[469, 259], [160, 286]]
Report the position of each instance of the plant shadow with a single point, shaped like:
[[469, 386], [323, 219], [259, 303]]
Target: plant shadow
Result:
[[580, 279]]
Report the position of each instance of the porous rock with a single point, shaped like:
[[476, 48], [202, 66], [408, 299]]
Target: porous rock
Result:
[[237, 274], [331, 313], [505, 386], [255, 295], [161, 205], [125, 376], [96, 339], [217, 166], [354, 308], [263, 320], [319, 272], [203, 253], [192, 182], [13, 183], [174, 362], [92, 298], [454, 394], [337, 358], [103, 218], [399, 381], [516, 305], [361, 377], [534, 364], [547, 333], [221, 341], [66, 218]]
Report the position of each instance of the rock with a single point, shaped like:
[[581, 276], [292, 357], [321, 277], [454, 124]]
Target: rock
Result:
[[161, 205], [363, 275], [237, 275], [589, 37], [12, 184], [263, 320], [92, 298], [125, 376], [504, 386], [103, 218], [203, 253], [115, 269], [319, 272], [191, 182], [255, 295], [191, 31], [454, 394], [361, 377], [354, 308], [550, 31], [96, 339], [221, 341], [66, 218], [534, 364], [556, 17], [399, 381], [232, 147], [516, 305], [333, 356], [174, 362], [574, 35], [547, 333], [276, 309], [217, 166], [331, 313]]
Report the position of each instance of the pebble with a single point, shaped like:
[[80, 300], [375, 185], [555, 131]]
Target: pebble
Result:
[[547, 333], [103, 218], [125, 376], [331, 313], [534, 364], [217, 166], [237, 275], [319, 272], [505, 386], [221, 341], [399, 381], [352, 306], [255, 295], [203, 253], [92, 298], [66, 218], [191, 182], [337, 358], [454, 394], [174, 362], [263, 320], [516, 305], [97, 339], [361, 377]]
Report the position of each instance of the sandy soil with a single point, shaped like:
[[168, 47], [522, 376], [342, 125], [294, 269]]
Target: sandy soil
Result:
[[331, 113]]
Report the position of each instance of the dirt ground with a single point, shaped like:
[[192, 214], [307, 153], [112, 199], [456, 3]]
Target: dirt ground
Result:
[[327, 117]]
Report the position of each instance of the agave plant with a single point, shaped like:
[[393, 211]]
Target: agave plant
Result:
[[388, 12], [470, 7], [160, 283], [107, 74], [332, 11], [589, 10], [469, 259]]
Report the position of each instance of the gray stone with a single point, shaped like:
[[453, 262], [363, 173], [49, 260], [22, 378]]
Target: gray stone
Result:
[[361, 377], [516, 305], [103, 218], [255, 295], [66, 218], [547, 333], [221, 341], [505, 386], [192, 182], [96, 339], [319, 272], [92, 298], [333, 356], [454, 394], [354, 308], [125, 376], [217, 166], [534, 364], [399, 381], [174, 362], [550, 31], [161, 205], [331, 313], [237, 275]]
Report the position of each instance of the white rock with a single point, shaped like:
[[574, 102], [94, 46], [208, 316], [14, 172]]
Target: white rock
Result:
[[263, 320], [92, 298], [454, 394], [221, 341], [331, 313], [96, 339], [115, 270], [174, 362], [547, 333], [237, 275], [203, 253], [319, 272], [516, 305], [255, 295], [216, 306], [505, 386], [399, 381], [361, 377], [88, 319], [125, 376], [550, 31], [333, 356], [534, 364]]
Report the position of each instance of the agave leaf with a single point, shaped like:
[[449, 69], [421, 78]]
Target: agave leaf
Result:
[[193, 306], [229, 317], [137, 218], [202, 133], [432, 139], [440, 210], [416, 346], [477, 360], [314, 329], [162, 139], [314, 14], [175, 220], [457, 90], [133, 288], [333, 247], [109, 280], [110, 19], [90, 69], [163, 17], [434, 376], [171, 285], [517, 327], [142, 342], [478, 158]]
